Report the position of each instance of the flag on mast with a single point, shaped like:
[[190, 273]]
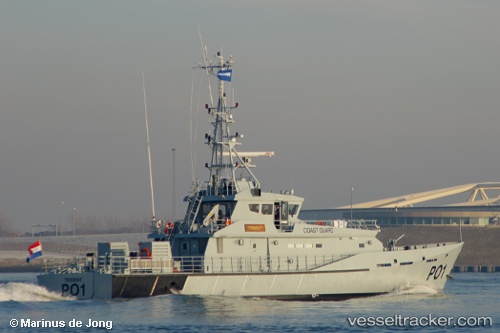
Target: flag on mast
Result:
[[35, 251], [225, 74]]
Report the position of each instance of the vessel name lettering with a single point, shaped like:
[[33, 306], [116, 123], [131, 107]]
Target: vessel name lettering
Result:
[[317, 230], [74, 289], [437, 272], [72, 279]]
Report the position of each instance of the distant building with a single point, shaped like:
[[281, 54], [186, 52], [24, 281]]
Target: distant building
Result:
[[478, 209]]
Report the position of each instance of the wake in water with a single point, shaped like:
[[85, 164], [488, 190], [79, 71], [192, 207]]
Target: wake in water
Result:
[[413, 290], [27, 292]]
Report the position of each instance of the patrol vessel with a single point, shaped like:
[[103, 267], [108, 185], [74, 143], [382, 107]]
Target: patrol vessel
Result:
[[238, 240]]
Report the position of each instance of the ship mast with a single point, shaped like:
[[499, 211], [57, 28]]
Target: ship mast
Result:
[[223, 165]]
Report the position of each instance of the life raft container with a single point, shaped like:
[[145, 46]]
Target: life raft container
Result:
[[145, 253]]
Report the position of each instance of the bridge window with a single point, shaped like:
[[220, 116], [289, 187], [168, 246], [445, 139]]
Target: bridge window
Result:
[[284, 211], [267, 209], [293, 209], [254, 207]]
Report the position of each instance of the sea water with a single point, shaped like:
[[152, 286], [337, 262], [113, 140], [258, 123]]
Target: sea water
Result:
[[471, 297]]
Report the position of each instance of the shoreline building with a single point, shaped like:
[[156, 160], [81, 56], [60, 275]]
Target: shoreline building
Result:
[[478, 209]]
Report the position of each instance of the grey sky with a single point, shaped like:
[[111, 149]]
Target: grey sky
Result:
[[390, 97]]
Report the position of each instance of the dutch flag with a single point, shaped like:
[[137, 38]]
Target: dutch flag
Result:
[[225, 74], [35, 251]]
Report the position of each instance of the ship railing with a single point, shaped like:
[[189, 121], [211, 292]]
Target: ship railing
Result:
[[129, 265], [189, 264], [150, 265], [225, 187], [108, 264], [67, 265], [272, 264], [353, 224], [417, 247], [363, 224]]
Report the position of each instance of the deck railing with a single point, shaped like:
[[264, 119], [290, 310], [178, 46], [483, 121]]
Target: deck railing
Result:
[[273, 264], [187, 264], [353, 224]]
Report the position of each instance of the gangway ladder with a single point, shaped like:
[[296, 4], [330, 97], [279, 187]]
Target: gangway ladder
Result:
[[194, 207]]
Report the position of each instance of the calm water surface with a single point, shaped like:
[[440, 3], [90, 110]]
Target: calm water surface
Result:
[[466, 295]]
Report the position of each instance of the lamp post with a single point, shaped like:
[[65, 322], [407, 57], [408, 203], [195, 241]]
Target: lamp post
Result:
[[173, 186], [62, 219], [74, 221], [352, 190]]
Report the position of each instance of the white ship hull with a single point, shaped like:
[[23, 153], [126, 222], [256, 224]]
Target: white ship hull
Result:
[[361, 275], [355, 276]]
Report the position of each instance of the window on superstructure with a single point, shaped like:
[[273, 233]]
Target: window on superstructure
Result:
[[293, 209], [224, 211], [205, 209], [267, 209], [284, 211], [254, 207], [384, 265]]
